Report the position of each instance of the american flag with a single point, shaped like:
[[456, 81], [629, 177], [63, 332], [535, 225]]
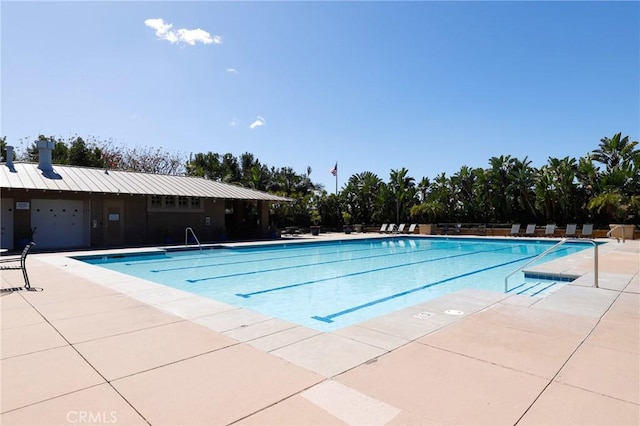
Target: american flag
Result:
[[334, 170]]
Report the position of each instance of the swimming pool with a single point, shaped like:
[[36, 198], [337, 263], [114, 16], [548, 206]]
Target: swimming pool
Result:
[[330, 285]]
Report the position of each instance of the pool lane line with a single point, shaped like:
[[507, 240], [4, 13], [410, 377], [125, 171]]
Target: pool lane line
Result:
[[305, 283], [304, 265], [279, 258], [236, 253], [207, 265], [247, 251], [329, 318]]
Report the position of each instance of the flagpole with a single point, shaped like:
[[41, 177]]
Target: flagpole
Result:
[[336, 178]]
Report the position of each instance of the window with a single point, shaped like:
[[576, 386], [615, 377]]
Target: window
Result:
[[169, 201], [156, 201], [182, 203]]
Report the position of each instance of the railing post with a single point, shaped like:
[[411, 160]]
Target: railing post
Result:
[[595, 264], [544, 253]]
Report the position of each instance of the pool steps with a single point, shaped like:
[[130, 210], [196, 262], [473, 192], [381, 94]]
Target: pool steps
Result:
[[537, 287]]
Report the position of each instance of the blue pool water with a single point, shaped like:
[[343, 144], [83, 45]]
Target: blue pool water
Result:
[[330, 285]]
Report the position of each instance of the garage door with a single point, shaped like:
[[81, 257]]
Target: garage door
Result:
[[58, 223]]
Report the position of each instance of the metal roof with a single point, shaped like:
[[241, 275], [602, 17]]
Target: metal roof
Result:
[[91, 180]]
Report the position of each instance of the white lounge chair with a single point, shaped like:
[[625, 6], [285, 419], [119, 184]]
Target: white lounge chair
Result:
[[570, 231], [412, 228], [400, 229], [531, 230], [550, 230], [383, 228], [391, 229], [587, 230], [515, 230]]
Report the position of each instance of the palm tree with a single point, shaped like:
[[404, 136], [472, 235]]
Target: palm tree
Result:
[[362, 193], [423, 188], [402, 187], [463, 183], [522, 180], [499, 177], [615, 151], [565, 189]]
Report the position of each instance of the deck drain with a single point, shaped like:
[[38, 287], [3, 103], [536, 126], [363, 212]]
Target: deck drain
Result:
[[422, 315], [453, 312]]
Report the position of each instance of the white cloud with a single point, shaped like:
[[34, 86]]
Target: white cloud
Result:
[[232, 71], [165, 31], [258, 123], [234, 122]]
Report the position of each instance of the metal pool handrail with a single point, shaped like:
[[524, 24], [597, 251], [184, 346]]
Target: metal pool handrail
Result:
[[186, 237], [613, 229], [550, 249]]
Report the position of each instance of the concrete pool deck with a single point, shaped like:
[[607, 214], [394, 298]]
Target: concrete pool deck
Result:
[[98, 347]]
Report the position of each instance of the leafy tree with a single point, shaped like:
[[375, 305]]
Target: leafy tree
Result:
[[363, 194], [616, 151], [400, 193]]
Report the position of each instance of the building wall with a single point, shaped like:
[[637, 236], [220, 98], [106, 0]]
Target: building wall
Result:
[[216, 220]]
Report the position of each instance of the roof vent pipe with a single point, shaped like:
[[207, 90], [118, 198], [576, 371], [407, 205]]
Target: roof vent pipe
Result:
[[45, 149], [9, 159]]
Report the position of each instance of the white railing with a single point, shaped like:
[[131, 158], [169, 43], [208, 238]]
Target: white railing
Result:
[[549, 250], [613, 229], [186, 237]]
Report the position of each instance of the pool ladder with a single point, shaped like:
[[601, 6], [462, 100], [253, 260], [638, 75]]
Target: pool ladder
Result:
[[617, 227], [186, 237], [549, 250]]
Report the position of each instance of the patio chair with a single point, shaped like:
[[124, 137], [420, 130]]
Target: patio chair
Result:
[[400, 229], [412, 228], [570, 231], [391, 229], [587, 230], [22, 266], [383, 228], [550, 230], [515, 230], [531, 230]]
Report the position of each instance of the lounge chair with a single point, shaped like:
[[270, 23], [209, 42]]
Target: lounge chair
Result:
[[515, 230], [550, 230], [412, 228], [587, 230], [291, 231], [570, 231], [531, 230], [22, 266], [400, 229], [383, 228], [449, 228], [391, 229]]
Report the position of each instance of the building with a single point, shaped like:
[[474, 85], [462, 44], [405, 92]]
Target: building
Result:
[[63, 207]]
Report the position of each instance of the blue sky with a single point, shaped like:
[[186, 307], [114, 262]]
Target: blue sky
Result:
[[430, 86]]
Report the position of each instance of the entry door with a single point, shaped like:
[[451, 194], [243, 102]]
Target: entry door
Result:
[[113, 222], [6, 223]]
